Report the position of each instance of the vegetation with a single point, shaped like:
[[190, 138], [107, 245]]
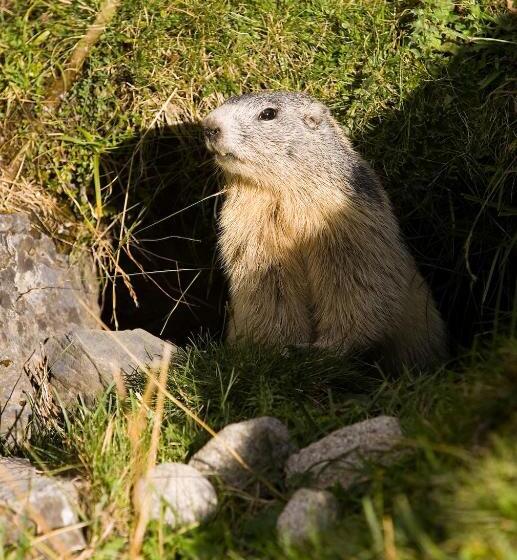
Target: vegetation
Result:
[[426, 91]]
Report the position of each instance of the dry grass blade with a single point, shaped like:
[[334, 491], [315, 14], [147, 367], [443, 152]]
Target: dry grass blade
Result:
[[59, 87], [390, 549], [141, 508], [26, 196], [72, 69]]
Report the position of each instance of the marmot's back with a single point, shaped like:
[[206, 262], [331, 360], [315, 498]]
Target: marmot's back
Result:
[[309, 241]]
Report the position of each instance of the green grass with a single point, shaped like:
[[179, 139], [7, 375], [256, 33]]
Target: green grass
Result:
[[426, 90], [452, 496]]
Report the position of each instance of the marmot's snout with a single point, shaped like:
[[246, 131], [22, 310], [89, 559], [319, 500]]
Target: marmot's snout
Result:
[[220, 138], [213, 132]]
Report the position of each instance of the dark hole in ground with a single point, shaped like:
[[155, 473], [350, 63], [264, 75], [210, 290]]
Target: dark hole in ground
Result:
[[180, 288], [445, 159]]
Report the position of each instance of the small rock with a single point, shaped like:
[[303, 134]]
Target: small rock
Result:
[[178, 492], [341, 456], [31, 501], [86, 361], [307, 513], [263, 443]]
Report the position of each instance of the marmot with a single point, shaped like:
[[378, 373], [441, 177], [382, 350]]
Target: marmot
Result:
[[308, 238]]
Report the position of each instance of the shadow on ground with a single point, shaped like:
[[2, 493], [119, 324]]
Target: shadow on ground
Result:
[[445, 158], [448, 161]]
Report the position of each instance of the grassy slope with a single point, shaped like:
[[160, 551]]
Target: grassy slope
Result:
[[432, 110], [452, 497], [429, 106]]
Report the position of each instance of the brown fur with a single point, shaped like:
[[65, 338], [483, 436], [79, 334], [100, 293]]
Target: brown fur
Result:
[[309, 241]]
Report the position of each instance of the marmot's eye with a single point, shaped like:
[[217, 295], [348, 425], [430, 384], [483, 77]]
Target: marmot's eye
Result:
[[268, 114]]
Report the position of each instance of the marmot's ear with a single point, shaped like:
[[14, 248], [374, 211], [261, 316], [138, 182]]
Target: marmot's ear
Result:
[[315, 114]]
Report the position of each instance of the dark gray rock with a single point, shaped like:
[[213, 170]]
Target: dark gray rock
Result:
[[41, 293], [263, 443], [341, 456], [32, 502], [86, 361], [177, 492], [307, 513]]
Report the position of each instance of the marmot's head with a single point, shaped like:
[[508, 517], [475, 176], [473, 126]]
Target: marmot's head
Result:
[[272, 136]]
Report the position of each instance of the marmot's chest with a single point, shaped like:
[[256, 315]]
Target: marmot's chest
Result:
[[262, 232]]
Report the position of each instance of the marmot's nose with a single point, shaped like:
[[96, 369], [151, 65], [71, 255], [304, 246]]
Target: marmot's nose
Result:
[[211, 133]]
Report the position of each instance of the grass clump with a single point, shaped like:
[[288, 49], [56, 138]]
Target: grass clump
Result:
[[451, 496]]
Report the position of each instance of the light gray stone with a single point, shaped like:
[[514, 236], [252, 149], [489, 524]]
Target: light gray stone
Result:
[[341, 456], [263, 443], [41, 293], [86, 361], [307, 513], [33, 502], [176, 493]]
